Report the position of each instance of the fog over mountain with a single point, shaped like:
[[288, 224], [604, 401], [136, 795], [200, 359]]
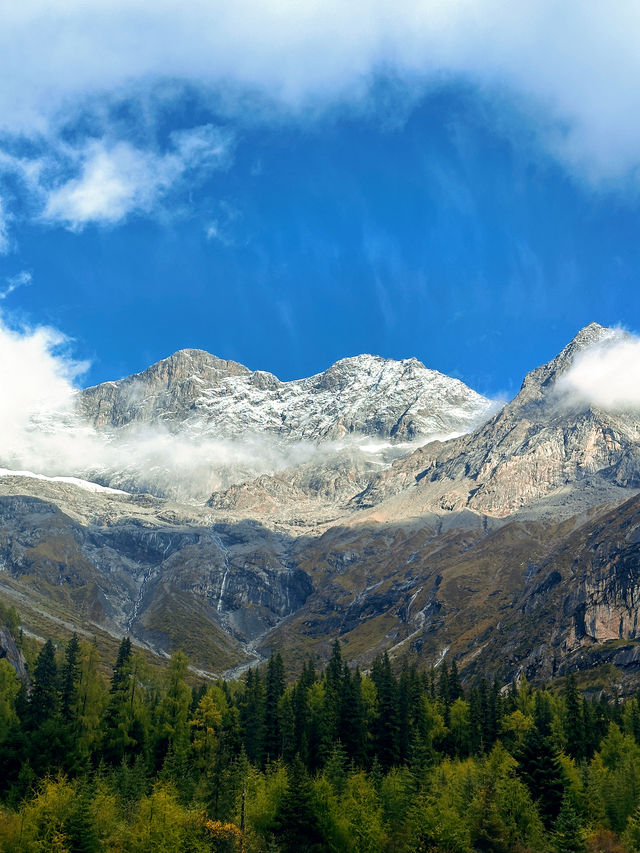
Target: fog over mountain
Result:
[[194, 423]]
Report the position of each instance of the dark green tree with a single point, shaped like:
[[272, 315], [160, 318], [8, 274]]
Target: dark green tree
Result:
[[540, 770], [574, 720], [44, 702], [568, 835], [387, 724], [296, 828], [274, 690], [69, 679], [80, 829], [251, 712]]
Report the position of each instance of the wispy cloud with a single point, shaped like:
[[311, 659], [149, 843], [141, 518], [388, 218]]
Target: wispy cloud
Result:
[[5, 242], [22, 279], [116, 180]]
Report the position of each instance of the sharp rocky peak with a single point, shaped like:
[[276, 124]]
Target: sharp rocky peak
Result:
[[539, 381]]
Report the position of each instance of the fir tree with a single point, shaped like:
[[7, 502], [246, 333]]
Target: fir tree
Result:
[[274, 690], [574, 721], [296, 826], [44, 702], [80, 828], [455, 687], [69, 679], [541, 772], [568, 836], [387, 727], [118, 735], [252, 711], [352, 727]]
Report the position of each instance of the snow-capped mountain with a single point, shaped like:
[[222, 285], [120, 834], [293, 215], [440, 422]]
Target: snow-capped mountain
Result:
[[363, 396]]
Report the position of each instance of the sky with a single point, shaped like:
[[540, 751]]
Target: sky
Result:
[[289, 183]]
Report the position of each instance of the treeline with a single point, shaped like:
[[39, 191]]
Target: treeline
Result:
[[336, 760]]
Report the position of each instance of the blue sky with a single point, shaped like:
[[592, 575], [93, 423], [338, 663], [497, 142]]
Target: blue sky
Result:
[[288, 184]]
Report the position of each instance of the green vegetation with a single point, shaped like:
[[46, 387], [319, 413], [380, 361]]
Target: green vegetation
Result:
[[333, 761]]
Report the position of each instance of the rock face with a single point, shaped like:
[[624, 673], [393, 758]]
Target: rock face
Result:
[[136, 565], [365, 395], [513, 546], [538, 443], [10, 652]]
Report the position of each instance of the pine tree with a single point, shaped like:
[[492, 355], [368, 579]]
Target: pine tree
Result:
[[296, 826], [69, 679], [568, 836], [352, 727], [455, 687], [443, 691], [539, 769], [333, 687], [387, 727], [44, 702], [174, 709], [80, 829], [118, 735], [574, 721], [274, 690], [252, 711]]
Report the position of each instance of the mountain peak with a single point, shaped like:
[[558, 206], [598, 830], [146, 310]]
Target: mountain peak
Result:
[[539, 380], [587, 337]]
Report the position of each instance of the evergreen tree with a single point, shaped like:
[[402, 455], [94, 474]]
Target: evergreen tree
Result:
[[274, 690], [333, 688], [80, 829], [252, 712], [568, 836], [118, 731], [542, 713], [69, 679], [455, 687], [352, 728], [574, 721], [443, 691], [387, 727], [296, 826], [174, 709], [540, 770], [44, 702]]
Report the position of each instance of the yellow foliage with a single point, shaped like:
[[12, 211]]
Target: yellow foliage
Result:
[[223, 831]]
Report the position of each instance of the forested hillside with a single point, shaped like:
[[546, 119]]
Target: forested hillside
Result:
[[338, 760]]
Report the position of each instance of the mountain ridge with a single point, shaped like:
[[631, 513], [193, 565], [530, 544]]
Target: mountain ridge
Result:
[[437, 550]]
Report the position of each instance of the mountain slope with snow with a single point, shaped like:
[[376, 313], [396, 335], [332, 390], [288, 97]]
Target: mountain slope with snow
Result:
[[365, 395]]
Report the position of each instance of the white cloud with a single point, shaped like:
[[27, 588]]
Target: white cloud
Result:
[[66, 70], [5, 242], [118, 179], [22, 279], [606, 375], [577, 63]]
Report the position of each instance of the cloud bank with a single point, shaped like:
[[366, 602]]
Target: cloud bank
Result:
[[578, 63], [606, 375]]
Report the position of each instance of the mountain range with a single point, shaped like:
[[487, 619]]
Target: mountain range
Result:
[[229, 513]]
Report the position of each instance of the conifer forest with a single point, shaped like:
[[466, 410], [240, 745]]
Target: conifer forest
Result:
[[118, 756]]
